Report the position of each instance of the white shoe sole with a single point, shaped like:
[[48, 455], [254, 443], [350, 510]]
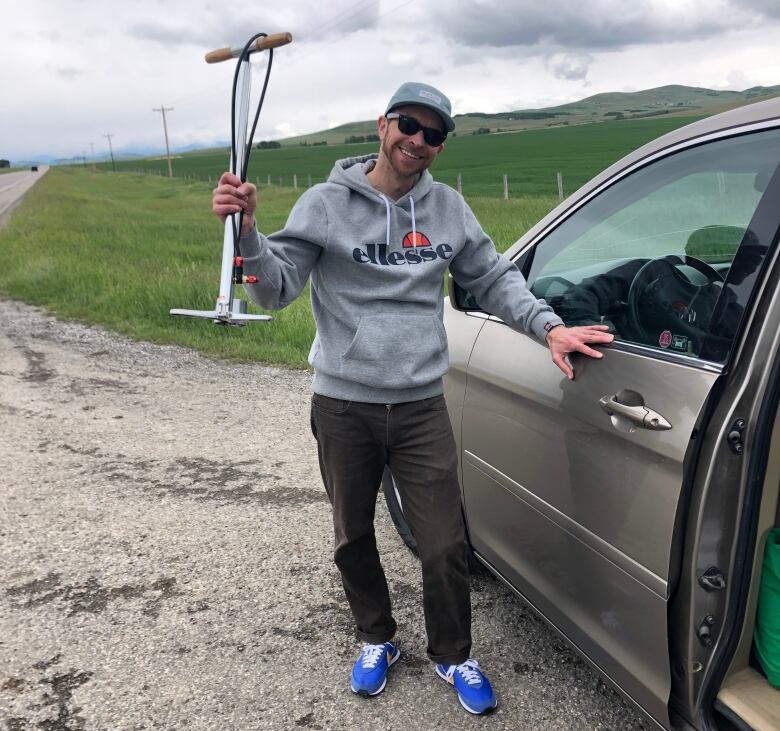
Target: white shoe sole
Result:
[[474, 712]]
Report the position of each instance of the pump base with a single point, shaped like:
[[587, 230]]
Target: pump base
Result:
[[238, 316]]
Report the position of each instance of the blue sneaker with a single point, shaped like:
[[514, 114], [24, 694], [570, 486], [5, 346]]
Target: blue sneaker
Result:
[[474, 690], [369, 675]]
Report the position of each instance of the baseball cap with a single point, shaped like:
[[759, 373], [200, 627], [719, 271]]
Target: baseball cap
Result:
[[425, 96]]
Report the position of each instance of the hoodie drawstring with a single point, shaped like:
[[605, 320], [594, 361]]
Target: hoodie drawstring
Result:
[[387, 227], [414, 223]]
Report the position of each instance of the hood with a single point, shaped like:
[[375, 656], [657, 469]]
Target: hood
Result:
[[351, 172]]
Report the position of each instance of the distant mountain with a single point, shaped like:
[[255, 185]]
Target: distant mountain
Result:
[[122, 153], [41, 160], [675, 100]]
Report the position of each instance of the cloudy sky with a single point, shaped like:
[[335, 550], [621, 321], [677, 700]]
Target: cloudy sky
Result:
[[76, 70]]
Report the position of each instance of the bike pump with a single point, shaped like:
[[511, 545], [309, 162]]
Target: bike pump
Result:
[[228, 310]]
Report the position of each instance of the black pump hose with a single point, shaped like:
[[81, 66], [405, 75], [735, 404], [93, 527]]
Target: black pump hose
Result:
[[237, 220]]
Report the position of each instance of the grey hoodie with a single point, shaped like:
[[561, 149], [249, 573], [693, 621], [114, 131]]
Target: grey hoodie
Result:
[[377, 268]]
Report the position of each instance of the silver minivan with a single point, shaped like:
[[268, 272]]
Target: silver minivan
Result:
[[630, 506]]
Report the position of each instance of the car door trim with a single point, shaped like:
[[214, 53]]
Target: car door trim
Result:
[[667, 356], [628, 565]]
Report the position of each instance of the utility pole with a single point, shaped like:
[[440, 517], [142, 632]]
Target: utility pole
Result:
[[164, 109], [92, 148], [111, 150]]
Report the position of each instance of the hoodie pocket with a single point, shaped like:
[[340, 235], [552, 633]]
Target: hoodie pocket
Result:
[[396, 351]]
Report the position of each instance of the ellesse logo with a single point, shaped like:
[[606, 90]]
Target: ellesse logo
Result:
[[418, 250], [415, 239]]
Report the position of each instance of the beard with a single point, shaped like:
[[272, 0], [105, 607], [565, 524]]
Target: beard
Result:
[[387, 151]]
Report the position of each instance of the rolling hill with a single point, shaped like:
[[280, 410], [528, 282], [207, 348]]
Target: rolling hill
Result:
[[673, 100]]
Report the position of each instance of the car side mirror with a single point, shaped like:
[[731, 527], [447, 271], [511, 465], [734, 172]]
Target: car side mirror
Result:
[[460, 299]]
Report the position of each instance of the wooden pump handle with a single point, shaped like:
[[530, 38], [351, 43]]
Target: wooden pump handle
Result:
[[273, 41], [261, 44]]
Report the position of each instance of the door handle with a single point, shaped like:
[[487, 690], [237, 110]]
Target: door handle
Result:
[[643, 417]]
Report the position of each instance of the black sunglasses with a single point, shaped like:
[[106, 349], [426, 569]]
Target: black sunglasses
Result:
[[410, 126]]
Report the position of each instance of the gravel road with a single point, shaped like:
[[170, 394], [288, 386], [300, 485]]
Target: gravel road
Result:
[[165, 559]]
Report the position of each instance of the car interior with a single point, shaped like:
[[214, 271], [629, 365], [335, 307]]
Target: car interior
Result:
[[640, 298], [651, 258], [746, 699]]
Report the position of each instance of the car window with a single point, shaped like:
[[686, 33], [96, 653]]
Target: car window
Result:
[[649, 255]]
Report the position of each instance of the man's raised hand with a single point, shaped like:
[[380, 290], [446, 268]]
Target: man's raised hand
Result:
[[232, 196]]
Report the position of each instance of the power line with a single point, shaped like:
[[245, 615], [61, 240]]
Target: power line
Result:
[[381, 15], [311, 32], [349, 12], [164, 109], [337, 19], [111, 150]]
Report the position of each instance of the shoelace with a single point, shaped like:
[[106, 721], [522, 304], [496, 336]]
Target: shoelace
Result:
[[371, 655], [470, 672]]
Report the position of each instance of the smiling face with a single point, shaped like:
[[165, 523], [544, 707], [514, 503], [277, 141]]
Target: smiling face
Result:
[[408, 155]]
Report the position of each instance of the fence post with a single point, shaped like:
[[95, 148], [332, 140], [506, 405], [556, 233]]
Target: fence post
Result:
[[269, 180], [280, 181], [506, 188], [295, 181], [460, 184], [560, 187], [310, 180], [257, 180]]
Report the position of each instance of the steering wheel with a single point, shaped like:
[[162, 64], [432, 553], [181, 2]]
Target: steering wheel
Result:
[[667, 297]]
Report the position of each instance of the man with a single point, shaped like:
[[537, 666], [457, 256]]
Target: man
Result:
[[376, 239]]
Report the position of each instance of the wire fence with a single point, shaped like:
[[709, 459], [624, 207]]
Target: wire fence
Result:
[[298, 182]]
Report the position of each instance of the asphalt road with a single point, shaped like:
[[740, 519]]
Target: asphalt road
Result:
[[165, 559], [14, 185]]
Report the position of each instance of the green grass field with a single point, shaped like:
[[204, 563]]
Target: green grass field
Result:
[[531, 159], [120, 250]]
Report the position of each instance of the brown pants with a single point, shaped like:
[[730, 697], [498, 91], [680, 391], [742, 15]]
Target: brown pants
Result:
[[355, 441]]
